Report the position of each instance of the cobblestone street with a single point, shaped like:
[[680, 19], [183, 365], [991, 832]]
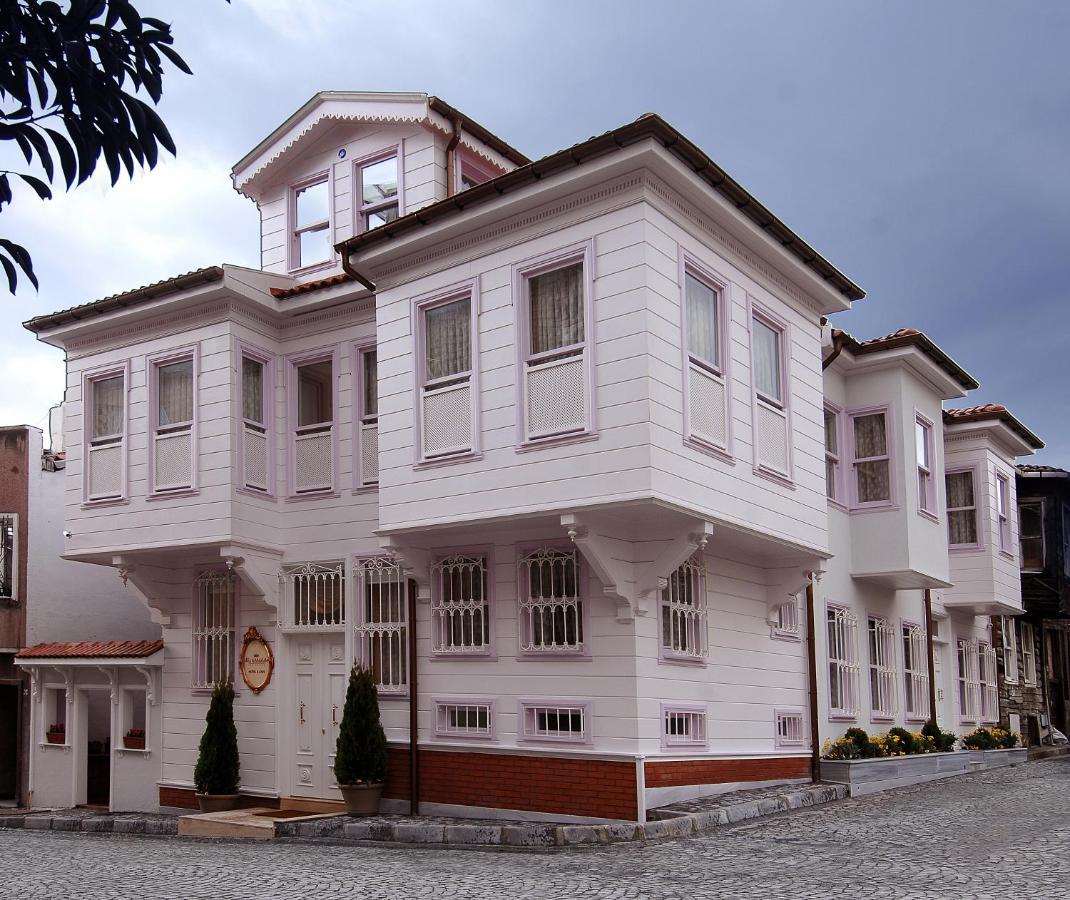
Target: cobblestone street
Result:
[[1005, 833]]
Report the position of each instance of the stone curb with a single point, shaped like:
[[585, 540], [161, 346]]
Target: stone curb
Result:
[[667, 824]]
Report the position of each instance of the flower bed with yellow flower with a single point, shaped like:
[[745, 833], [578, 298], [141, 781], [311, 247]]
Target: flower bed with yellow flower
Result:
[[857, 744]]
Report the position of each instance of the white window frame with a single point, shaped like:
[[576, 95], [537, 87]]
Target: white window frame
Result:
[[881, 640], [130, 697], [989, 689], [371, 633], [121, 439], [522, 273], [834, 489], [1041, 506], [313, 575], [968, 680], [159, 432], [976, 507], [361, 210], [1009, 638], [442, 646], [925, 459], [529, 607], [363, 421], [915, 672], [527, 724], [204, 636], [1029, 654], [842, 652], [12, 520], [887, 457], [294, 231], [693, 364], [783, 738], [684, 638], [468, 162], [443, 731], [785, 622], [1003, 506], [294, 430], [242, 351], [779, 406], [694, 717], [424, 386]]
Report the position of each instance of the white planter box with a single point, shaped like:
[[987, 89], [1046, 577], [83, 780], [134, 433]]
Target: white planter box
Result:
[[870, 776], [991, 759]]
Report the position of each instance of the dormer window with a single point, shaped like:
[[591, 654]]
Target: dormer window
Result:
[[310, 221], [471, 173], [379, 192]]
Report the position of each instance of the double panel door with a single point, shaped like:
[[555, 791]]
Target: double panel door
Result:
[[319, 695]]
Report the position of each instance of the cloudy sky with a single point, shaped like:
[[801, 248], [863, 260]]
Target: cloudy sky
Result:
[[921, 146]]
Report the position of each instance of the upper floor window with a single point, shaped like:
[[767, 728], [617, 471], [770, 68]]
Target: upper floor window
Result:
[[106, 457], [256, 436], [312, 382], [173, 452], [554, 385], [683, 613], [706, 391], [9, 557], [961, 509], [872, 460], [379, 192], [447, 337], [1031, 536], [471, 172], [771, 417], [367, 417], [832, 455], [310, 222], [1002, 506], [551, 604], [923, 441]]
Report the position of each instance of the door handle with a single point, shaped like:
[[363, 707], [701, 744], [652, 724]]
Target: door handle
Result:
[[334, 714], [301, 715]]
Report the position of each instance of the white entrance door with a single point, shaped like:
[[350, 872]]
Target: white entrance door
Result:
[[319, 695]]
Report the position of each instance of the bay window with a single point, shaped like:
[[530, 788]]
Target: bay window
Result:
[[1031, 536], [555, 380], [706, 390], [833, 489], [771, 432], [1003, 524], [312, 413], [310, 222], [923, 448], [379, 192], [256, 404], [105, 458], [872, 460], [448, 396], [366, 464], [172, 442], [961, 509]]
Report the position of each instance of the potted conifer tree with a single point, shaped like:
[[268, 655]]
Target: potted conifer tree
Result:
[[217, 773], [360, 754]]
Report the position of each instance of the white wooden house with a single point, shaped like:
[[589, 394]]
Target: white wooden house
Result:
[[541, 443]]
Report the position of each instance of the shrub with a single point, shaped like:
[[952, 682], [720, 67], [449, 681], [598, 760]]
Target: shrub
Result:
[[911, 742], [943, 741], [1005, 738], [841, 748], [360, 756], [981, 739], [217, 770], [866, 748]]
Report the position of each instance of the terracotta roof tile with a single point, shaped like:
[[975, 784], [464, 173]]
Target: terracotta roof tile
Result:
[[1034, 469], [905, 337], [994, 412], [308, 286], [92, 649]]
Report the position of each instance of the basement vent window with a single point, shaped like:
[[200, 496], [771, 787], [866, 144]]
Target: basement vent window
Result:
[[789, 728]]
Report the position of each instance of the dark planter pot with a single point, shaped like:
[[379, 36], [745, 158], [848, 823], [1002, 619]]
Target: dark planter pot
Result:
[[217, 802], [133, 743], [361, 799], [56, 737]]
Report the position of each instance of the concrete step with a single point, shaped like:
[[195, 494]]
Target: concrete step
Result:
[[255, 824]]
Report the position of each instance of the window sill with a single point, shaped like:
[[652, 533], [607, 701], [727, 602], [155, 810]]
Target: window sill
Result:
[[965, 548], [313, 495], [105, 501], [556, 440], [842, 717], [438, 656], [713, 450], [44, 744], [667, 660], [168, 495], [366, 489], [253, 492], [554, 655], [837, 504], [465, 738], [122, 751], [882, 719], [554, 742], [925, 514], [775, 477], [313, 268], [439, 461], [1007, 555], [887, 506], [785, 636]]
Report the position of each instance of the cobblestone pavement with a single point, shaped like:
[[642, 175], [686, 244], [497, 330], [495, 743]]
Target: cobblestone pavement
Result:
[[1000, 834]]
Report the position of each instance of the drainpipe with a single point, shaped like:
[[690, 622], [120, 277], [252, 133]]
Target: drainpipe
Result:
[[347, 267], [414, 754], [837, 348], [451, 157], [929, 645], [811, 653]]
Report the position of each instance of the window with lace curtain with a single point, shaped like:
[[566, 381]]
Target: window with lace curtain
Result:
[[256, 401], [961, 509], [872, 458], [172, 451], [104, 408], [447, 393], [554, 382]]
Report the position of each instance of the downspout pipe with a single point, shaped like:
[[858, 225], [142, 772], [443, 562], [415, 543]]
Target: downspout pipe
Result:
[[451, 157], [414, 743], [811, 654], [347, 267], [838, 343], [928, 598]]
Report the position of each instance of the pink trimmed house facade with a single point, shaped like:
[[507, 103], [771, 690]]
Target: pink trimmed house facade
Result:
[[543, 444]]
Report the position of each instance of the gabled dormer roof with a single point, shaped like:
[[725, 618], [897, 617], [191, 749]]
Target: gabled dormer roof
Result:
[[362, 107]]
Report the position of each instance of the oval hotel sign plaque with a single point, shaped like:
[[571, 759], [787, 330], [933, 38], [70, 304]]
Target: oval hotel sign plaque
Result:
[[256, 662]]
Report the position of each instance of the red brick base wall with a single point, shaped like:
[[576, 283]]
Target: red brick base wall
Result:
[[186, 798], [719, 771], [577, 787]]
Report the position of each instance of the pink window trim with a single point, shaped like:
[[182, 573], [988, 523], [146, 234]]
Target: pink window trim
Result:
[[669, 745], [839, 484], [909, 716], [359, 614], [837, 714], [438, 701], [357, 182], [458, 291], [152, 368], [781, 743], [292, 241], [1003, 526], [293, 361], [583, 583], [756, 310], [687, 264], [466, 160], [356, 364], [244, 349], [89, 378], [979, 509], [521, 272], [490, 650], [526, 703], [235, 612], [890, 437], [929, 510], [669, 657]]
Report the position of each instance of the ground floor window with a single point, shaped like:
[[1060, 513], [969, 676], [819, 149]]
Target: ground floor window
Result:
[[213, 628], [382, 630]]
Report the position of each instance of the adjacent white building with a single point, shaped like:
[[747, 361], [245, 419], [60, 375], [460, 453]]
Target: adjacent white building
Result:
[[543, 444]]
